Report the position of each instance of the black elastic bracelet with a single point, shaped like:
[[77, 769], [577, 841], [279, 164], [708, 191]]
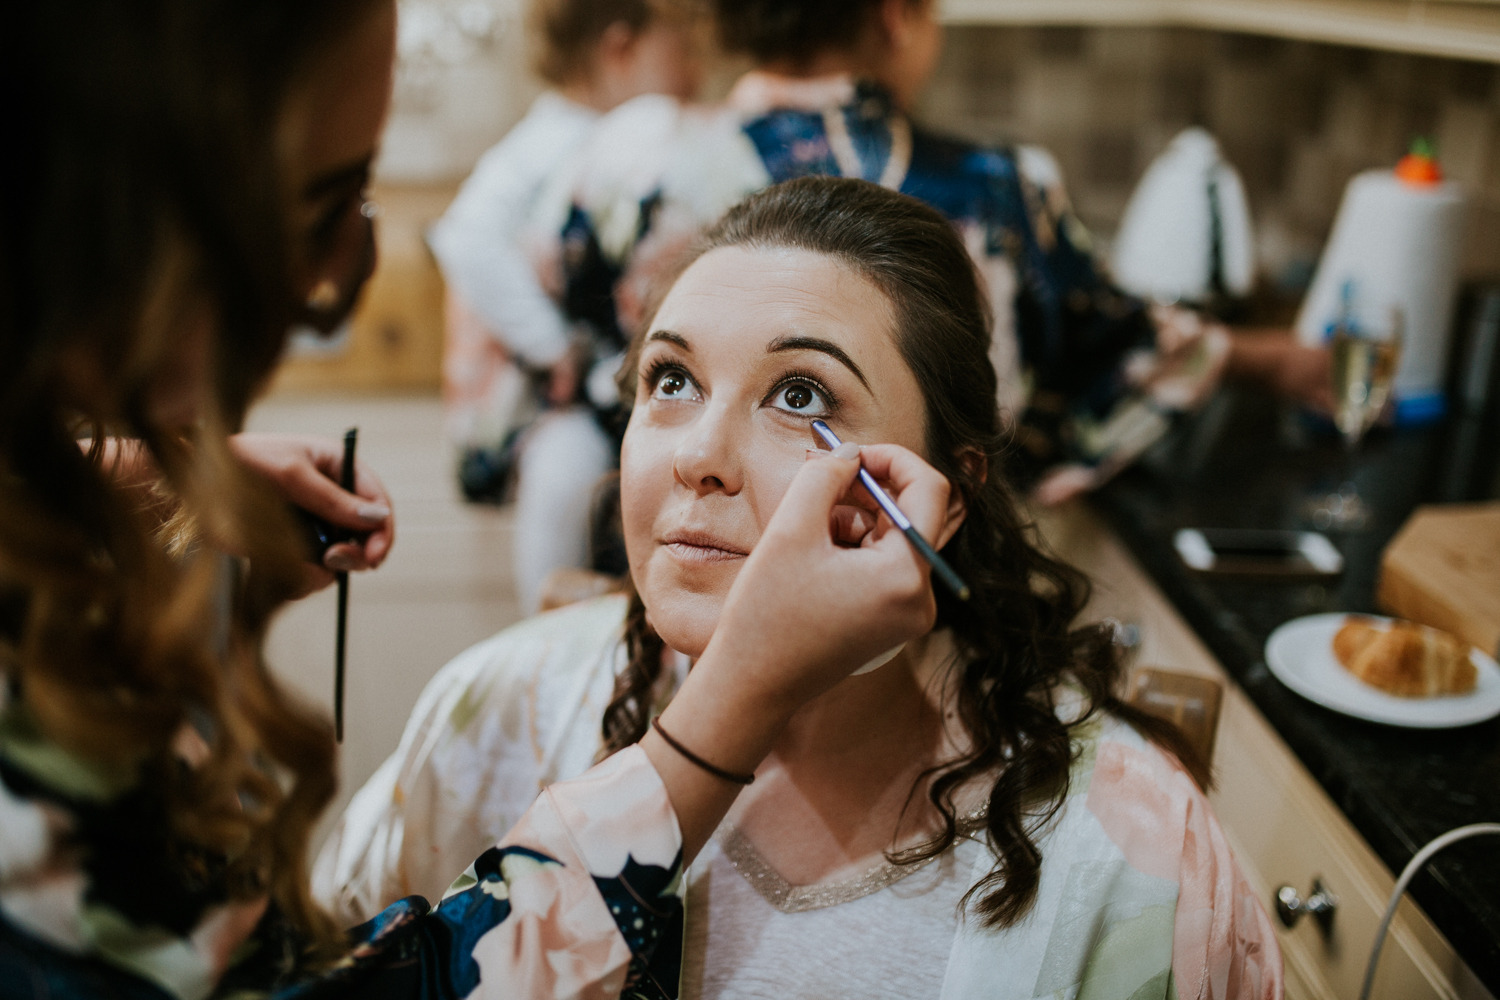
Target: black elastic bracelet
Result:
[[717, 772]]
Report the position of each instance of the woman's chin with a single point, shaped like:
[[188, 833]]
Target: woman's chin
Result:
[[685, 620]]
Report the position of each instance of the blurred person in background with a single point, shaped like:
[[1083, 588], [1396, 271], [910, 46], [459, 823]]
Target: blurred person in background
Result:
[[1089, 376], [188, 183], [510, 349]]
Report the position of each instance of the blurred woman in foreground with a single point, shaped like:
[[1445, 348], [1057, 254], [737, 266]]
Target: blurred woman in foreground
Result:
[[188, 181]]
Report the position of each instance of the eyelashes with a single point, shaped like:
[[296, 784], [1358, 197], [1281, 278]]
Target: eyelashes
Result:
[[651, 379], [802, 378], [652, 376]]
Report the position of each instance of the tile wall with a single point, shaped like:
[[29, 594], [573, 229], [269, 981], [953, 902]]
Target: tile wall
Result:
[[1297, 119]]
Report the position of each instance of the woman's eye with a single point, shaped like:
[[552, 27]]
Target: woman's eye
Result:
[[801, 399], [674, 384]]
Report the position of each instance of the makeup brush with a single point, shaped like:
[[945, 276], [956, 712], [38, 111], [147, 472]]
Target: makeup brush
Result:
[[926, 551], [346, 480]]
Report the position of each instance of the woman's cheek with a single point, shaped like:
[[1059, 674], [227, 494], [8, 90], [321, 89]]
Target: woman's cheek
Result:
[[645, 483], [775, 463]]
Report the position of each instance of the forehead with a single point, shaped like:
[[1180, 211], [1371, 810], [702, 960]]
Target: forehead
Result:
[[742, 298]]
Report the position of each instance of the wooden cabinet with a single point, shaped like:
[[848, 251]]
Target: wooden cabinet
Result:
[[394, 341], [1284, 828], [1459, 29]]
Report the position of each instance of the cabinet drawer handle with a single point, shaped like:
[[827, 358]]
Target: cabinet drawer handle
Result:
[[1321, 903]]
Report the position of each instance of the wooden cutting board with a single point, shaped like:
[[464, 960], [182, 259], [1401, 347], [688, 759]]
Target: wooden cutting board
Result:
[[1443, 569]]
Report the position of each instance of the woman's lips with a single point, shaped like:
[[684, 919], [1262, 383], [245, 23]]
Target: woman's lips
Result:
[[701, 547]]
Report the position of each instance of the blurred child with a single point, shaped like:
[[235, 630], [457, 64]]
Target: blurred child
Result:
[[510, 352]]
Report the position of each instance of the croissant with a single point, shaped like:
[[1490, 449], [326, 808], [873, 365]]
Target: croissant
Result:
[[1405, 659]]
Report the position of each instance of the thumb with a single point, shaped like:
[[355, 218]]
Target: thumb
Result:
[[321, 496], [816, 489]]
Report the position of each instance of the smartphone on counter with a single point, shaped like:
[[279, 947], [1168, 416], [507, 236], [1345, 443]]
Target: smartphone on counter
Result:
[[1263, 552]]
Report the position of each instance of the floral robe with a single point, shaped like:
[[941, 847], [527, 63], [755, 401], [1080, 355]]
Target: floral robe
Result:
[[1140, 897], [96, 902]]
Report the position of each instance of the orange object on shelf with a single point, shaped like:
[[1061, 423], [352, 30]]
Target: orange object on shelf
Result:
[[1420, 167]]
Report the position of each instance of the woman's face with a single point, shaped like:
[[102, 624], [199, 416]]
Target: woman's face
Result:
[[747, 349], [327, 141], [329, 137]]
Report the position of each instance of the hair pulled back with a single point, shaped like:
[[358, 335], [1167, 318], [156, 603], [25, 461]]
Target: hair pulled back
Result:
[[1016, 637], [143, 198]]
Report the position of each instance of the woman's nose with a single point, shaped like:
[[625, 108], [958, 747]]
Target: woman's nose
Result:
[[707, 459]]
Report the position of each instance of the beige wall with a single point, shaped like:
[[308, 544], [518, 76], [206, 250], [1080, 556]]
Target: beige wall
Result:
[[1297, 119]]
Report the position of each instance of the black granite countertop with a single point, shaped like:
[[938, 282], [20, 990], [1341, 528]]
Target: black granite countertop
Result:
[[1246, 462]]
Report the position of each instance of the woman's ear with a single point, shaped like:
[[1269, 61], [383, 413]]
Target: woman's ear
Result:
[[977, 466]]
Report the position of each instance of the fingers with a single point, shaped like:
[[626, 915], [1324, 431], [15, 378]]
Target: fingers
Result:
[[367, 509], [806, 508], [368, 501], [918, 489], [306, 470], [851, 525], [374, 499]]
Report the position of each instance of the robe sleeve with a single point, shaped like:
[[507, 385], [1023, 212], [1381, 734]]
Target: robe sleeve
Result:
[[583, 898], [1223, 946]]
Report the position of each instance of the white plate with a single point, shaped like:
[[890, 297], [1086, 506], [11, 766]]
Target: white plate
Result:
[[1300, 654]]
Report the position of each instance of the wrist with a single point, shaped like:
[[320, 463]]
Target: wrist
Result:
[[726, 719]]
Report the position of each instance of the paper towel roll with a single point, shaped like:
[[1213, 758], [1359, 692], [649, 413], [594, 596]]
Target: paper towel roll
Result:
[[1399, 244]]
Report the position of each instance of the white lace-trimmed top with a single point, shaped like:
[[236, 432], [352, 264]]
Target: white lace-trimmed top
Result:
[[887, 932]]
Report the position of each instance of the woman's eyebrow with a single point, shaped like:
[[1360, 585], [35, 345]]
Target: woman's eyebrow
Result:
[[814, 344], [671, 338]]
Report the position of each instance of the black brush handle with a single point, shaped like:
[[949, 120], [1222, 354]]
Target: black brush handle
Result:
[[346, 480]]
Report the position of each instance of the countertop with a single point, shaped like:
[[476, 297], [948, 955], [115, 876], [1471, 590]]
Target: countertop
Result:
[[1244, 461]]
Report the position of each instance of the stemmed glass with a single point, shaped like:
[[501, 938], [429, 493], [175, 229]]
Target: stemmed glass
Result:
[[1364, 365]]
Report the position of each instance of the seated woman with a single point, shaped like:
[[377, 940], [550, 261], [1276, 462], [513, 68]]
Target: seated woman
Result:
[[975, 815]]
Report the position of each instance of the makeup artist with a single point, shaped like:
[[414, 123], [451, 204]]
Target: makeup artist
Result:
[[186, 182]]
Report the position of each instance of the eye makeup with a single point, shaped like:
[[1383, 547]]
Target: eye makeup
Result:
[[802, 378], [655, 372]]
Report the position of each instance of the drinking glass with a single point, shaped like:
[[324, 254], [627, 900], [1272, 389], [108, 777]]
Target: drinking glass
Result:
[[1363, 367]]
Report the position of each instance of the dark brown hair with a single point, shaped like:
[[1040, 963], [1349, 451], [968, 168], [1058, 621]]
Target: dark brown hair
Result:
[[143, 199], [1016, 638], [567, 31], [793, 31]]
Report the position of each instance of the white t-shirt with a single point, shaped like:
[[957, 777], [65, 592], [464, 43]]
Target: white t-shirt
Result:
[[893, 942], [478, 240]]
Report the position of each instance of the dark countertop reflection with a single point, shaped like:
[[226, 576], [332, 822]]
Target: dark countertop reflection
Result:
[[1246, 462]]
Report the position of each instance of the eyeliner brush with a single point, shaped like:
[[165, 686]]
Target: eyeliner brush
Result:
[[346, 480], [939, 565]]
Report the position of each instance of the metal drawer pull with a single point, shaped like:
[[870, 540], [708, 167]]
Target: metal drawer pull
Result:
[[1321, 903]]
